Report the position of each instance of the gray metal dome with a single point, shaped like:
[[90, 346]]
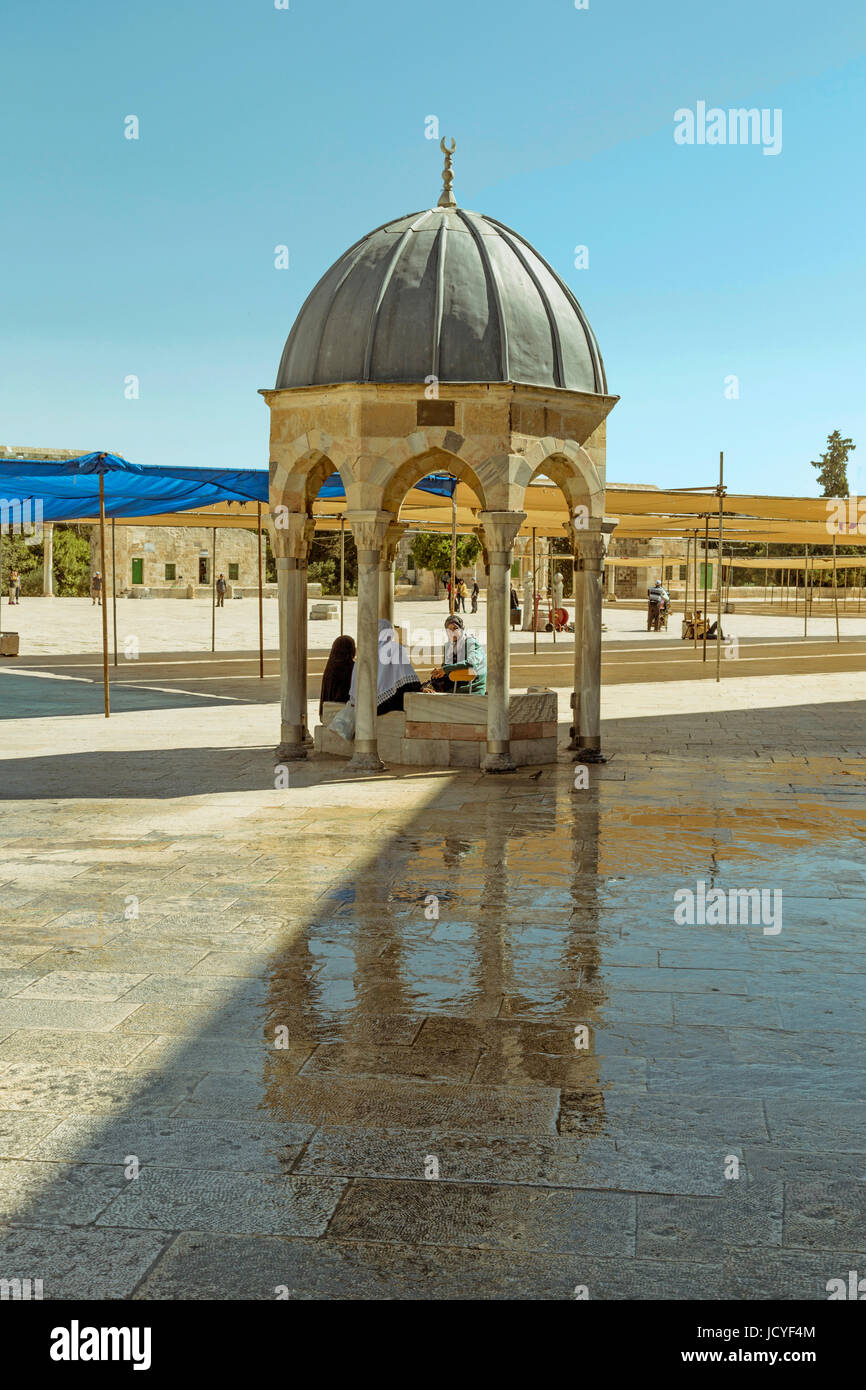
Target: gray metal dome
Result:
[[443, 293]]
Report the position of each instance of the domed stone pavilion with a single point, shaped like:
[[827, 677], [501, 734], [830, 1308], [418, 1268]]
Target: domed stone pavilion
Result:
[[442, 342]]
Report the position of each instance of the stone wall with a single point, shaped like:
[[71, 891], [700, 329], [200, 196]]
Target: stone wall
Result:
[[188, 548]]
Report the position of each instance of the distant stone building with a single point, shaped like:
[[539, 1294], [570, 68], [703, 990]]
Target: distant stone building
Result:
[[178, 561]]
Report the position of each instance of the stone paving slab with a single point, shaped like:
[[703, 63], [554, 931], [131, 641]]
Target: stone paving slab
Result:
[[825, 1215], [221, 1200], [415, 1105], [545, 1162], [786, 1274], [55, 1088], [698, 1228], [544, 1220], [20, 1131], [81, 1264], [59, 1014], [74, 1051], [232, 1267], [243, 1147], [38, 1193]]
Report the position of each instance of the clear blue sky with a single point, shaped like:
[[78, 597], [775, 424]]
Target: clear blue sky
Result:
[[306, 127]]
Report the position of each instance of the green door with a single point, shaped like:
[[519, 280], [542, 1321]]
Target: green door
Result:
[[708, 570], [138, 571]]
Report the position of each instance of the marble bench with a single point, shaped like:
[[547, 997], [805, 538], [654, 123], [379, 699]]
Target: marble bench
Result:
[[451, 730]]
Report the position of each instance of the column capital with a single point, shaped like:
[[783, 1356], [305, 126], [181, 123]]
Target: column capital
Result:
[[394, 533], [369, 528], [291, 533], [500, 529], [589, 544]]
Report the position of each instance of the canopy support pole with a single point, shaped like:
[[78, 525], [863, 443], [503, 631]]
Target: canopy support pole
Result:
[[806, 593], [113, 590], [213, 596], [695, 577], [706, 581], [103, 595], [835, 590], [261, 614], [719, 587]]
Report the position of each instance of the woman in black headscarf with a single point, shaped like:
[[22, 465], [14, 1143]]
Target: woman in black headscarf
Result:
[[337, 677]]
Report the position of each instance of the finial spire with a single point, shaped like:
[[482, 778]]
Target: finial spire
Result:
[[447, 199]]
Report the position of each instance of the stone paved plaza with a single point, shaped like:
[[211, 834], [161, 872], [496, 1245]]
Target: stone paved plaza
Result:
[[337, 1029]]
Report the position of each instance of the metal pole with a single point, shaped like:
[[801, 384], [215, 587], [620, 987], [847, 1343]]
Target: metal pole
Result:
[[535, 600], [261, 614], [113, 591], [213, 596], [719, 589], [835, 591], [1, 574], [805, 601], [686, 599], [695, 574], [102, 593], [342, 569], [706, 579]]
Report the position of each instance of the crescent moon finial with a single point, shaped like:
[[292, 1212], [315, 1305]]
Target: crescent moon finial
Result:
[[446, 198]]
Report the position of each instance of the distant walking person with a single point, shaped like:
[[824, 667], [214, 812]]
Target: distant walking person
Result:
[[96, 589], [14, 586], [221, 587], [461, 596], [475, 596]]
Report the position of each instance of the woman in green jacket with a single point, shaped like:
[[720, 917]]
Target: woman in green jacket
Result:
[[462, 651]]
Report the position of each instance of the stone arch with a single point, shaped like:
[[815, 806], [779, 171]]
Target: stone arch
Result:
[[434, 460], [302, 466], [570, 467]]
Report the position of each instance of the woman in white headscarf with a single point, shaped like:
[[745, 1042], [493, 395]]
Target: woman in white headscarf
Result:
[[395, 677]]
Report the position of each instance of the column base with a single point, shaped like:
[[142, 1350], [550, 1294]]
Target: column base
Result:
[[290, 752], [499, 762], [365, 762], [589, 754]]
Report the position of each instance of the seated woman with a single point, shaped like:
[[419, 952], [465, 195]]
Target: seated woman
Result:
[[395, 677], [337, 676], [462, 651]]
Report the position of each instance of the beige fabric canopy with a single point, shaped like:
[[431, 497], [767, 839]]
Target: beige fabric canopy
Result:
[[640, 513]]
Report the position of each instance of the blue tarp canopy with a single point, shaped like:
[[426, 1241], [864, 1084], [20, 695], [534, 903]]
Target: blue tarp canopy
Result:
[[68, 490]]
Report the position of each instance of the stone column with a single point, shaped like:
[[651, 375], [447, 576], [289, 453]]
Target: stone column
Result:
[[369, 529], [500, 528], [387, 563], [589, 549], [48, 560], [291, 544]]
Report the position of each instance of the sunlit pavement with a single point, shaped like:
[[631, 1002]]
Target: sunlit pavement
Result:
[[360, 1038]]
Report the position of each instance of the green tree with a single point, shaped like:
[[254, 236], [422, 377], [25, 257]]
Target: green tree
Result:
[[72, 561], [832, 465], [432, 551]]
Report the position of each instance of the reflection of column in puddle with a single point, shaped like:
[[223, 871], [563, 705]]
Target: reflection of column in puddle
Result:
[[381, 915], [582, 1099], [492, 953]]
